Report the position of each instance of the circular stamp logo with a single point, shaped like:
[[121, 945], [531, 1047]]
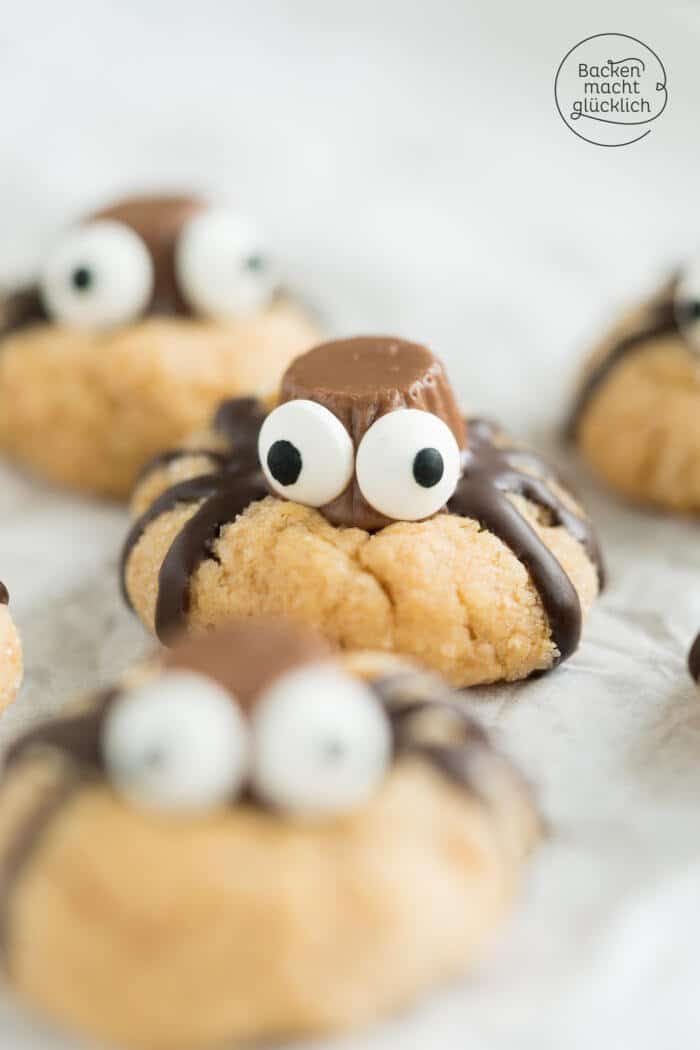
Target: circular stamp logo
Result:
[[609, 89]]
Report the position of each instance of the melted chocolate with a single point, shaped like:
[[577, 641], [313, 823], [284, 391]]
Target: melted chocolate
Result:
[[238, 484], [22, 846], [491, 473], [238, 420], [694, 660], [466, 756], [174, 455], [193, 544], [4, 594], [78, 738], [663, 321]]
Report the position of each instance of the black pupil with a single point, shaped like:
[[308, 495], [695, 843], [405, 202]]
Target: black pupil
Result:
[[255, 263], [428, 467], [333, 750], [81, 278], [284, 462]]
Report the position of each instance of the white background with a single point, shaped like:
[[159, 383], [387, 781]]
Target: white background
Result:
[[409, 164]]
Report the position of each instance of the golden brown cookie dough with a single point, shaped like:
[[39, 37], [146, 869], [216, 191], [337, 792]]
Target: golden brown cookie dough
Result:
[[495, 589], [11, 667], [636, 419], [133, 916], [89, 395]]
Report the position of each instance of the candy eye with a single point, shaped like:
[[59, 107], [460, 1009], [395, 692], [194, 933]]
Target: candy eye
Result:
[[687, 304], [408, 464], [179, 743], [321, 743], [221, 269], [306, 453], [97, 276]]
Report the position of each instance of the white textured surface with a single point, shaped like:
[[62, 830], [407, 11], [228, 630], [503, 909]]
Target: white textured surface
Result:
[[408, 160]]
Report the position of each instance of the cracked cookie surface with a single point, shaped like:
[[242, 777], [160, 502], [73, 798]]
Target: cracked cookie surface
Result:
[[444, 591]]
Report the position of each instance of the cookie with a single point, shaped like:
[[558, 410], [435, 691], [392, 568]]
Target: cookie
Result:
[[365, 507], [10, 653], [237, 843], [636, 417], [145, 316]]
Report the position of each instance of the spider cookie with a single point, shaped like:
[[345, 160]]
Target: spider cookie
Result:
[[238, 844], [144, 317], [10, 653], [364, 506], [636, 418]]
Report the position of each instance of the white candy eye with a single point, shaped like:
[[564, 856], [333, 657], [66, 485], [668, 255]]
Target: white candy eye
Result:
[[221, 269], [321, 743], [97, 276], [408, 464], [687, 303], [306, 453], [179, 743]]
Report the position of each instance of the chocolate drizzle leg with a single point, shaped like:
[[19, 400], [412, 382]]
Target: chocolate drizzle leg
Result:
[[239, 420], [694, 660], [77, 740], [664, 321], [20, 850], [193, 544], [430, 723], [491, 473], [4, 594]]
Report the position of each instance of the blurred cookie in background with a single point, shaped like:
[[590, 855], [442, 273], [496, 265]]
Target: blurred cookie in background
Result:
[[636, 416], [253, 838], [145, 315]]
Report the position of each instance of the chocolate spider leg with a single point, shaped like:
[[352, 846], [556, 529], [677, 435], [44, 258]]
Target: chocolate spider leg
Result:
[[52, 801], [190, 491], [21, 309], [538, 492], [193, 544], [663, 322], [481, 500], [173, 455], [239, 420]]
